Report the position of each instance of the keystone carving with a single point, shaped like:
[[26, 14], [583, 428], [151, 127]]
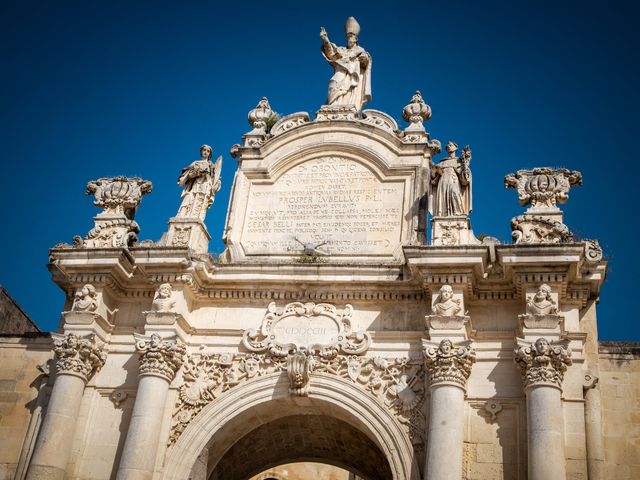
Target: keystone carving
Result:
[[80, 356], [449, 363], [299, 366], [317, 328], [85, 299], [542, 363], [115, 226], [159, 357]]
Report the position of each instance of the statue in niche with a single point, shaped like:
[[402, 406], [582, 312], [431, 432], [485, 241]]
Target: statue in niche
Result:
[[86, 299], [445, 304], [201, 181], [541, 303], [162, 301], [451, 184], [351, 81]]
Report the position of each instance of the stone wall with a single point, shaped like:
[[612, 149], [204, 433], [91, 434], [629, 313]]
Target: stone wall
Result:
[[23, 389], [304, 471], [13, 320], [620, 392]]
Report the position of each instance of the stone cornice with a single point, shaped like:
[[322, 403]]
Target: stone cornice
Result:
[[136, 274]]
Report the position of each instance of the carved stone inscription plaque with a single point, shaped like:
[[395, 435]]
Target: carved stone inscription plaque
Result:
[[306, 330], [329, 199]]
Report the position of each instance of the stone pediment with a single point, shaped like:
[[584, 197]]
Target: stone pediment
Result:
[[326, 191]]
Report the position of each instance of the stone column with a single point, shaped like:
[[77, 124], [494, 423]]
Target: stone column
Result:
[[543, 365], [78, 358], [159, 362], [449, 366], [593, 427]]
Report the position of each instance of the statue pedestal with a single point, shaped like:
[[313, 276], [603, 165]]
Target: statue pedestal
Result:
[[452, 231], [337, 112], [188, 232]]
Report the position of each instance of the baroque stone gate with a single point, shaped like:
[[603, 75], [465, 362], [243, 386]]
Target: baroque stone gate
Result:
[[330, 329]]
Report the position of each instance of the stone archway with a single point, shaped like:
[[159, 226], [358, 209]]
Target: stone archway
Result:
[[309, 438], [227, 420]]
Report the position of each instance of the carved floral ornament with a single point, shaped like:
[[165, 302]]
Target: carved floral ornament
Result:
[[75, 355], [159, 357], [397, 383], [543, 362]]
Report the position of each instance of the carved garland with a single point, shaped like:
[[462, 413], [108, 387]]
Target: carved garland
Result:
[[398, 383]]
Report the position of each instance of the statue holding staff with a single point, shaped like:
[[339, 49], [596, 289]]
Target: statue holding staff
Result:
[[351, 81]]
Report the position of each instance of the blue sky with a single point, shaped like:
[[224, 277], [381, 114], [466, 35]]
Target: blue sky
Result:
[[94, 89]]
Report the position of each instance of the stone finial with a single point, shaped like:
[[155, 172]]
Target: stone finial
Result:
[[449, 363], [79, 356], [85, 299], [416, 112], [201, 182], [162, 301], [542, 189], [259, 116], [543, 362], [299, 366], [115, 226], [162, 358]]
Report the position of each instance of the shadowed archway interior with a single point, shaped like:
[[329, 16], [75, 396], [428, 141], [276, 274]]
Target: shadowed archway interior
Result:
[[298, 438]]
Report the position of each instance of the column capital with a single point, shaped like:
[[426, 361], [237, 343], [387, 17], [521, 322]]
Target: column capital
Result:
[[448, 363], [158, 357], [78, 355], [542, 363]]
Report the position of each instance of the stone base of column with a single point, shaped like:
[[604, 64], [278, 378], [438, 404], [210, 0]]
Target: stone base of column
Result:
[[187, 232]]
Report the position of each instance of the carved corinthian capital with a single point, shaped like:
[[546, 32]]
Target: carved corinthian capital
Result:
[[542, 363], [79, 356], [162, 358], [448, 363]]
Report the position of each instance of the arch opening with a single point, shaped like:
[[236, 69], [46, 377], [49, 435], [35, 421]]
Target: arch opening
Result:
[[303, 438], [226, 421]]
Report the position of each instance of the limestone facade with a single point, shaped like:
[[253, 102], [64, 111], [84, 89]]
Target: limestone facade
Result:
[[333, 329]]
